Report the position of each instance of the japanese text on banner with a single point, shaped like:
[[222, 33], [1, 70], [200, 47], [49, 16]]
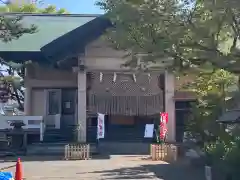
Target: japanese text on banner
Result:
[[163, 125], [101, 126]]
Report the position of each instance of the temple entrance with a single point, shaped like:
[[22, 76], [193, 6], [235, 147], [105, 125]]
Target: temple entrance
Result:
[[121, 128], [68, 107], [126, 128], [60, 114], [129, 100]]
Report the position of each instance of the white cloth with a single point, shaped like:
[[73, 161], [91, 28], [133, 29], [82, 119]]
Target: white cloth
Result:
[[149, 128], [101, 126]]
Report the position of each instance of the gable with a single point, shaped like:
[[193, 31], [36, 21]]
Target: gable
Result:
[[100, 53], [102, 48], [76, 40]]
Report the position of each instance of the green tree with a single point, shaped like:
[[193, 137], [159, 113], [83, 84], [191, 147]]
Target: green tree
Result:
[[31, 8], [12, 28], [189, 33], [200, 36], [212, 90]]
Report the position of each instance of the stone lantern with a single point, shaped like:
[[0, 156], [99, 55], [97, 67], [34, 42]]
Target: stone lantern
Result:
[[17, 135]]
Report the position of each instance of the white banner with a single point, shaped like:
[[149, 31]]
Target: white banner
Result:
[[149, 128], [101, 126]]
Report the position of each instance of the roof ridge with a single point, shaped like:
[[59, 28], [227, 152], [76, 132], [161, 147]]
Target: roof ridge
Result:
[[53, 15]]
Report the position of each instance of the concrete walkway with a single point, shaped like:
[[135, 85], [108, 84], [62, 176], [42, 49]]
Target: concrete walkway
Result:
[[115, 167]]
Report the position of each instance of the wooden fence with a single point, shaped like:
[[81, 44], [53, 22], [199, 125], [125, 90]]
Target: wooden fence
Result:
[[163, 152], [77, 152]]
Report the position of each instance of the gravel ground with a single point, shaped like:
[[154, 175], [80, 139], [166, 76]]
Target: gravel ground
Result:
[[113, 167]]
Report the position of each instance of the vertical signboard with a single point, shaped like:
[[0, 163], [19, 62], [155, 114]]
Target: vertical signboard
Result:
[[100, 126], [163, 125]]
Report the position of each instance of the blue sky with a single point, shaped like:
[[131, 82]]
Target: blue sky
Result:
[[76, 6]]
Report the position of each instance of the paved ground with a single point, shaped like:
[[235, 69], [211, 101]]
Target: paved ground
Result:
[[115, 167]]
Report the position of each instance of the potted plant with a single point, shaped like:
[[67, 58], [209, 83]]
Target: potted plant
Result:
[[17, 135], [76, 129], [214, 159], [232, 160]]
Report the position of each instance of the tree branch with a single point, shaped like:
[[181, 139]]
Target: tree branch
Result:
[[236, 30]]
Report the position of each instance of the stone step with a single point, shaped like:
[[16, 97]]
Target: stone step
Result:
[[57, 135], [58, 131], [120, 135], [124, 137], [118, 148], [49, 144], [56, 138], [142, 140], [53, 149]]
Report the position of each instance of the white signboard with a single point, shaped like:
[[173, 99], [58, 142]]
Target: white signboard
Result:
[[149, 128], [101, 126]]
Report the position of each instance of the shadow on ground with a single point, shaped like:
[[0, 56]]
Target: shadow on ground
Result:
[[156, 171], [48, 158], [30, 158]]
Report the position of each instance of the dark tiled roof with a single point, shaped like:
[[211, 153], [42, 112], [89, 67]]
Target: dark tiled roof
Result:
[[49, 28], [76, 39], [57, 36], [230, 117]]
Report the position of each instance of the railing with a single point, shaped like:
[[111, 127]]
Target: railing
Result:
[[31, 122]]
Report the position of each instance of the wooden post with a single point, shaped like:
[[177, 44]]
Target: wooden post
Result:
[[27, 95], [170, 106], [27, 101], [42, 129], [82, 103], [25, 139]]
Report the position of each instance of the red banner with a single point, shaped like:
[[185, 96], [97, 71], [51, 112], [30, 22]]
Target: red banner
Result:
[[163, 125]]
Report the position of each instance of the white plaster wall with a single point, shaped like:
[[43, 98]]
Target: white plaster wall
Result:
[[38, 79], [42, 77], [99, 55], [38, 102]]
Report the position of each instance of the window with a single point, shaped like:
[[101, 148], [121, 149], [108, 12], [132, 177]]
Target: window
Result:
[[34, 122], [54, 102]]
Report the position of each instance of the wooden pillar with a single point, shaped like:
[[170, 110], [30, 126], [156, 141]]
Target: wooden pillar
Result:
[[82, 103], [170, 105], [25, 139], [27, 101], [27, 95]]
